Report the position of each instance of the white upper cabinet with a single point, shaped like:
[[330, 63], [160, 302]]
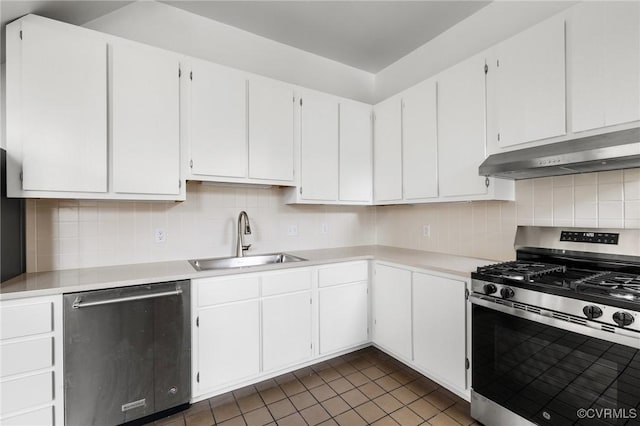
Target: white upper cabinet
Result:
[[420, 141], [529, 73], [145, 111], [387, 151], [355, 152], [218, 122], [461, 128], [319, 147], [270, 130], [59, 79], [604, 58]]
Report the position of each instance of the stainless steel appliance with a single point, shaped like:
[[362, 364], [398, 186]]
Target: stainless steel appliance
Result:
[[127, 353], [556, 333], [609, 151]]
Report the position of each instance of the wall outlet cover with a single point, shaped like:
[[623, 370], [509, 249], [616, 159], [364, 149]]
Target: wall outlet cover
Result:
[[292, 230], [324, 228], [160, 235], [426, 231]]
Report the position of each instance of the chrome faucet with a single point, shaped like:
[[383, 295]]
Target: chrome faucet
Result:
[[240, 247]]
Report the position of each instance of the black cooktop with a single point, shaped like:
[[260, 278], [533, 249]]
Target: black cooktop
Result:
[[608, 285]]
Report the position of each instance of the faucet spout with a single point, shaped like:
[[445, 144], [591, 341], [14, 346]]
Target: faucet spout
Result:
[[240, 246]]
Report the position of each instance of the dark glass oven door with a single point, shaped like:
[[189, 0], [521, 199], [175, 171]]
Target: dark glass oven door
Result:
[[547, 373]]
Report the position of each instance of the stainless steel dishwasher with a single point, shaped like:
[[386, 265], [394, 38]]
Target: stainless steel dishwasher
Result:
[[127, 353]]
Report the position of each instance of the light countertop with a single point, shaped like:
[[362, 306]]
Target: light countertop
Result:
[[84, 279]]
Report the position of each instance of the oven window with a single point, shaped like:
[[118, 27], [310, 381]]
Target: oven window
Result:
[[547, 375]]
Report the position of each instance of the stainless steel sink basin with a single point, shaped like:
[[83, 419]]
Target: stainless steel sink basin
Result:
[[243, 262]]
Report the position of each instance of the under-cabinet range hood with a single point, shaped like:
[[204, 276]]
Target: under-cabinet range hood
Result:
[[610, 151]]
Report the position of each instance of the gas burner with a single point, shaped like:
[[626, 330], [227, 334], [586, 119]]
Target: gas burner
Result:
[[614, 280], [520, 270]]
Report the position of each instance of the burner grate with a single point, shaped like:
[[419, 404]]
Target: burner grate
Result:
[[520, 270]]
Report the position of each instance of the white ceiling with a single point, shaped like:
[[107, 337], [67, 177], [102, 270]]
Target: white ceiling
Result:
[[368, 35]]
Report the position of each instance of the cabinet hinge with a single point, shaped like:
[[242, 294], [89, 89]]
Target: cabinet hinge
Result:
[[197, 321], [486, 68], [498, 63], [498, 137], [179, 183], [191, 164], [486, 181], [20, 34], [179, 72], [294, 99], [198, 377], [311, 346], [300, 101], [367, 331], [21, 176], [191, 75], [466, 294], [300, 190], [310, 301], [467, 364]]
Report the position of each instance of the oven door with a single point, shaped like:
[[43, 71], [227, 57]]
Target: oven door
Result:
[[530, 366]]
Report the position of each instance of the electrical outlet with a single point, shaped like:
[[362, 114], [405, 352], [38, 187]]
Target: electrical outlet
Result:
[[324, 228], [426, 231], [292, 230], [160, 235]]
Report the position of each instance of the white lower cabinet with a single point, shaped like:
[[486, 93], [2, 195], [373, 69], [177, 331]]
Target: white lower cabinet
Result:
[[439, 325], [229, 344], [31, 381], [286, 330], [392, 310]]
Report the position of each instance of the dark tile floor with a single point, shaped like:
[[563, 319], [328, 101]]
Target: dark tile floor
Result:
[[360, 388]]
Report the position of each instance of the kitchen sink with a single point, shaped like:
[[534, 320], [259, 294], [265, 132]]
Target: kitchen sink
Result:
[[243, 262]]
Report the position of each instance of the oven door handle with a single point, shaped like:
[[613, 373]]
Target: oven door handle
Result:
[[591, 328]]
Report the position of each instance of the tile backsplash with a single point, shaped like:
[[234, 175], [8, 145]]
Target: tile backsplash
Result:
[[63, 234]]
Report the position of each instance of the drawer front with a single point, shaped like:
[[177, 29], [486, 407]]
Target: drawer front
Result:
[[218, 291], [25, 320], [16, 358], [286, 282], [343, 273], [16, 395], [41, 417]]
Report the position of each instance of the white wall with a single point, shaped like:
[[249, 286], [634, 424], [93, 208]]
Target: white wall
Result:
[[174, 29], [490, 25], [64, 234]]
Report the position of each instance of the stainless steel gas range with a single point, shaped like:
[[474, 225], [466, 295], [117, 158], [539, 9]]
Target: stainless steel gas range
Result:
[[556, 333]]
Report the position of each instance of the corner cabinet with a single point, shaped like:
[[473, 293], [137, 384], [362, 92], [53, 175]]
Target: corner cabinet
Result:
[[90, 115], [387, 151], [31, 378]]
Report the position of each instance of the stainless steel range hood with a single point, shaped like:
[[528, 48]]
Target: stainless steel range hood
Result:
[[610, 151]]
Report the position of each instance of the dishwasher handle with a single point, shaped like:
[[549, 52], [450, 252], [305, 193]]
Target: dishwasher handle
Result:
[[78, 303]]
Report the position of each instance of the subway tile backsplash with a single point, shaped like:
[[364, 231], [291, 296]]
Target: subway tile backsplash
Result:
[[64, 234]]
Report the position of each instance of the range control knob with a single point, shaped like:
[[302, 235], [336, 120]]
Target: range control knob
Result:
[[592, 312], [623, 319], [506, 293], [489, 288]]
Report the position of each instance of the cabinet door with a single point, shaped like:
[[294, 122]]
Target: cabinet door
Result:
[[392, 310], [343, 317], [530, 79], [228, 344], [604, 53], [286, 330], [387, 151], [145, 121], [319, 147], [64, 110], [461, 128], [420, 141], [270, 130], [439, 328], [218, 133], [355, 152]]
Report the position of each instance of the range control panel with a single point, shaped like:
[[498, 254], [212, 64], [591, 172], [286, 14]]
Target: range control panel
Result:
[[590, 237]]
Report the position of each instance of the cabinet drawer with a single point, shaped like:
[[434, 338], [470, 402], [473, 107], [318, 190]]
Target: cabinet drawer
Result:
[[286, 282], [41, 417], [218, 291], [343, 273], [21, 357], [26, 392], [25, 320]]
